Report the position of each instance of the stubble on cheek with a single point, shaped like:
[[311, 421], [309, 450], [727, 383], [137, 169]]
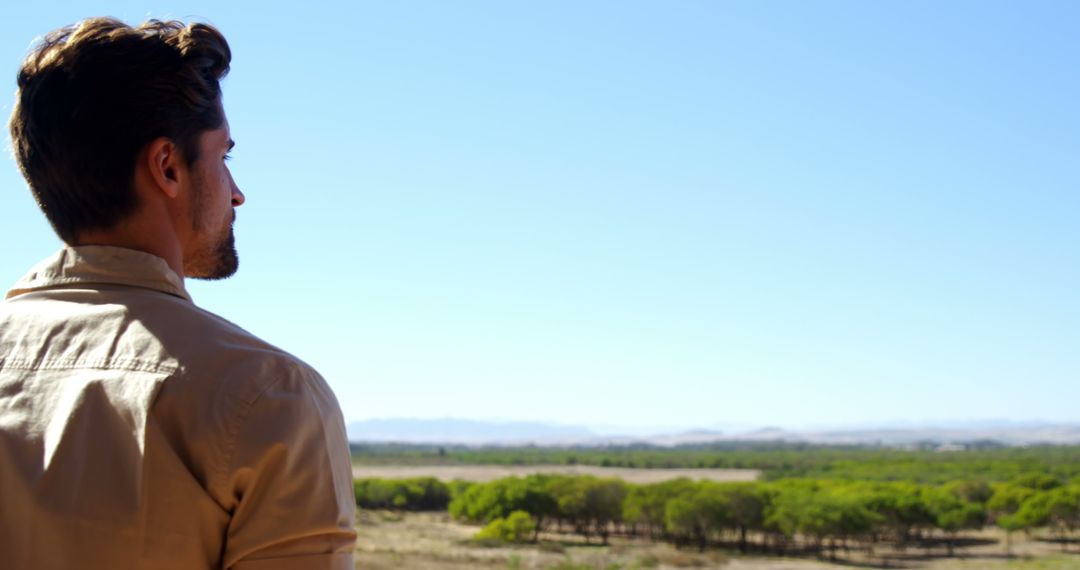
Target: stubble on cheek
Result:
[[216, 258]]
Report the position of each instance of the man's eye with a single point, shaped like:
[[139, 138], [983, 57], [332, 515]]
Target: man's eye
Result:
[[228, 157]]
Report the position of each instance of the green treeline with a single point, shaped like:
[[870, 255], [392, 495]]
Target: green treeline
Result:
[[815, 515], [982, 461], [416, 494]]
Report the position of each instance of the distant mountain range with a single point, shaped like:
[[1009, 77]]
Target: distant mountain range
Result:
[[476, 432]]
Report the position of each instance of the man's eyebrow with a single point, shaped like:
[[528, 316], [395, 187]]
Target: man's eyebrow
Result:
[[232, 143]]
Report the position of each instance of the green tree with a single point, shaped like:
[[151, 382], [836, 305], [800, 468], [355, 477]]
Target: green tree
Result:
[[1002, 506], [902, 509], [497, 499], [590, 504], [696, 515], [953, 514], [1058, 508], [645, 505], [746, 503], [603, 504], [1037, 481], [972, 491]]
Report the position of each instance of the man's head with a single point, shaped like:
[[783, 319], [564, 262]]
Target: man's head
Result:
[[103, 107]]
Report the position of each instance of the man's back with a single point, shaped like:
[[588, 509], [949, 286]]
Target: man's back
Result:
[[138, 431]]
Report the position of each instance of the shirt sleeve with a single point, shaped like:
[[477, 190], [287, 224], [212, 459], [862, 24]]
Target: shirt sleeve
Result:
[[290, 481]]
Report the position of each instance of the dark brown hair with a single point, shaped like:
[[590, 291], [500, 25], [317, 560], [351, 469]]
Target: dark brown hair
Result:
[[93, 94]]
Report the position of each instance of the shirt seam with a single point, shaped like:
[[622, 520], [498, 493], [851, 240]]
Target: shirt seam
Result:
[[50, 282], [130, 364]]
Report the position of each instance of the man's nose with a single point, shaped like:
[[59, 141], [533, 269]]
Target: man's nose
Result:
[[237, 196]]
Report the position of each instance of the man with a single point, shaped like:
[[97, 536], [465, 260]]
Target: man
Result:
[[137, 430]]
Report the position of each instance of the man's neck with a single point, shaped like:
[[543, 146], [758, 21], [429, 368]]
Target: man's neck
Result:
[[135, 238]]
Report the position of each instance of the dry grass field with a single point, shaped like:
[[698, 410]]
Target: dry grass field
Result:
[[432, 541], [484, 473]]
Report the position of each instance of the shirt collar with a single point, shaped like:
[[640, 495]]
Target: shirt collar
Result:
[[102, 264]]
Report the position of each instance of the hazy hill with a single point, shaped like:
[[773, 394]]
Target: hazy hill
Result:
[[462, 431]]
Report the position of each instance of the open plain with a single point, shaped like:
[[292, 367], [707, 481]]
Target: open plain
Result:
[[433, 541]]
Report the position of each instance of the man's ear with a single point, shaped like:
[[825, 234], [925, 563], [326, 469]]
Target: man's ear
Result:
[[165, 165]]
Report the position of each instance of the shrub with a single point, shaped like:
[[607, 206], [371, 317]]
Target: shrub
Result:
[[518, 527]]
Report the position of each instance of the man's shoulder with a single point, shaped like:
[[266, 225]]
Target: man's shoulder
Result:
[[112, 325], [225, 347], [220, 365], [223, 334]]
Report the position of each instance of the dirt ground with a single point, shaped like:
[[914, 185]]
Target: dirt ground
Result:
[[432, 541], [483, 473]]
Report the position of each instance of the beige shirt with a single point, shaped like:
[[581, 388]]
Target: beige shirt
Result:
[[139, 431]]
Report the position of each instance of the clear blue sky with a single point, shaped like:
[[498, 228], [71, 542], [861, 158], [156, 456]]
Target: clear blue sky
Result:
[[678, 214]]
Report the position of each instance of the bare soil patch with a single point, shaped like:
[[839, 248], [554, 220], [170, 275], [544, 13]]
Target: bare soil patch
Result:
[[484, 473], [433, 541]]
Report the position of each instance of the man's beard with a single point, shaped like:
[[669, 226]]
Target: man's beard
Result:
[[218, 260], [221, 261]]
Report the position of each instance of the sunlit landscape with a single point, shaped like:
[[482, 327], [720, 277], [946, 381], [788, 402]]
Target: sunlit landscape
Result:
[[619, 285], [786, 506]]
